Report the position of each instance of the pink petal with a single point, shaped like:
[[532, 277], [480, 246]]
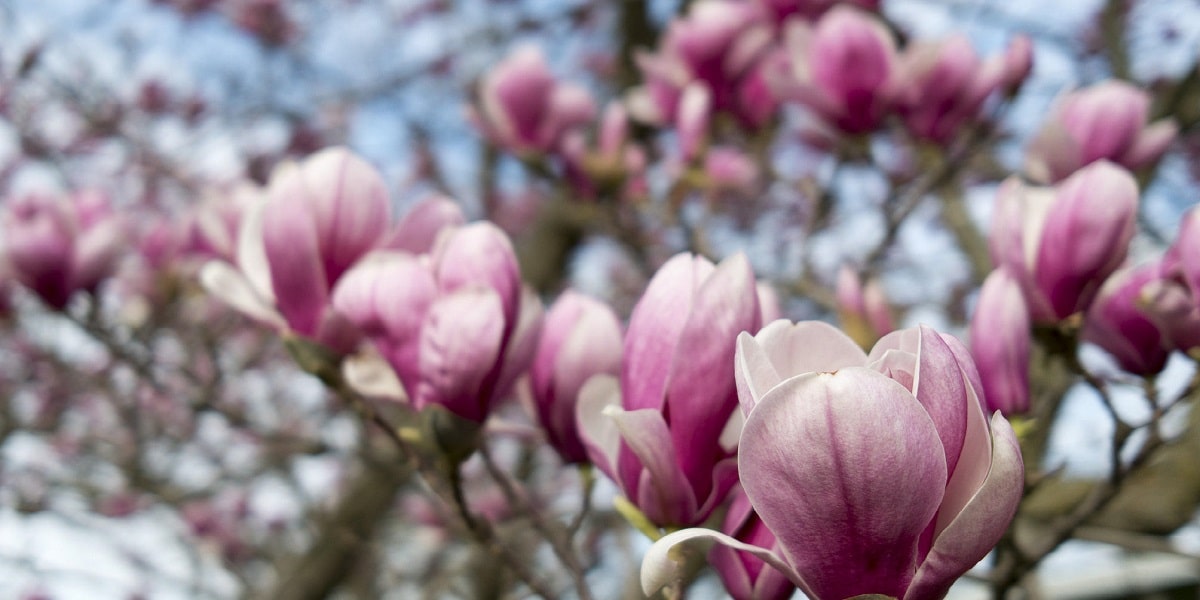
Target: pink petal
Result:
[[350, 206], [650, 474], [980, 524], [847, 470], [294, 257], [655, 327], [660, 567], [419, 228], [598, 432], [460, 345], [783, 349]]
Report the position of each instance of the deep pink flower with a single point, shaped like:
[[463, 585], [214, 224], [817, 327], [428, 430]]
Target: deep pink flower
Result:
[[60, 245], [581, 337], [1061, 243], [657, 432], [453, 324], [944, 84], [1117, 322], [877, 474], [1106, 121], [747, 577], [1000, 343], [524, 109], [719, 46], [316, 219], [810, 10]]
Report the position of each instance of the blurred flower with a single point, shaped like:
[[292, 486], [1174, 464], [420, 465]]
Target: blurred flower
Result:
[[316, 219], [613, 160], [843, 68], [1105, 121], [1061, 243], [453, 323], [657, 432], [1117, 323], [863, 309], [523, 109], [943, 85], [720, 46], [877, 474], [59, 245], [1000, 343], [581, 337]]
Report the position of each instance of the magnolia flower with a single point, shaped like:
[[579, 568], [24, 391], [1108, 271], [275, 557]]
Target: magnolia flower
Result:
[[843, 69], [1061, 243], [1107, 121], [1117, 323], [720, 46], [454, 324], [315, 220], [657, 431], [943, 84], [581, 337], [60, 245], [1000, 343], [523, 109], [877, 474]]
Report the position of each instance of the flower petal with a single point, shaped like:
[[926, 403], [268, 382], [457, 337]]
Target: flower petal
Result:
[[659, 568], [783, 349], [599, 433], [847, 470], [979, 526]]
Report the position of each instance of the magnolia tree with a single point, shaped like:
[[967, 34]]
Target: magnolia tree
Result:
[[593, 300]]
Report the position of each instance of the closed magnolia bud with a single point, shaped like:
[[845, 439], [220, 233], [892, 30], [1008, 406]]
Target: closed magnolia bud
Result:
[[1061, 243], [1117, 322], [843, 68], [523, 109], [657, 430], [60, 245], [1107, 121], [1000, 344], [581, 337]]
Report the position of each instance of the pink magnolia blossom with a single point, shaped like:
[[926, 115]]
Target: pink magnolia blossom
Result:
[[877, 474], [1000, 343], [657, 431], [843, 68], [720, 46], [1061, 243], [523, 109], [1107, 121], [1117, 322], [454, 324], [298, 239], [59, 245], [943, 85], [581, 337]]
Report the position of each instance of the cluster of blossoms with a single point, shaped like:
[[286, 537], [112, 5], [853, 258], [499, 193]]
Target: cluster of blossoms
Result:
[[841, 471], [655, 407], [745, 61], [1061, 252]]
